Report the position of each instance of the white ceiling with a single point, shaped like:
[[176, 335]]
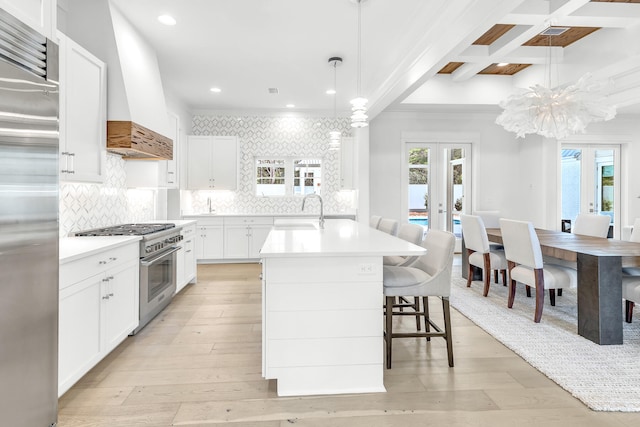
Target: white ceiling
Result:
[[245, 47]]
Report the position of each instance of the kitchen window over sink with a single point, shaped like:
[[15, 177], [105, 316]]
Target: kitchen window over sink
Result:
[[287, 176]]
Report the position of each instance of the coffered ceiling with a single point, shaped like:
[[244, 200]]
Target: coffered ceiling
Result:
[[414, 52]]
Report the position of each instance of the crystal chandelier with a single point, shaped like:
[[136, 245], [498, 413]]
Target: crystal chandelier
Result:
[[556, 112], [334, 135], [359, 104]]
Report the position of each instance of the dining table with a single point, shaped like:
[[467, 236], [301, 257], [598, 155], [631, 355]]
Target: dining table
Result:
[[599, 264]]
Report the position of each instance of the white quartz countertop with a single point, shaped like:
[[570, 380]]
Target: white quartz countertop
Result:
[[178, 222], [73, 248], [276, 215], [339, 237]]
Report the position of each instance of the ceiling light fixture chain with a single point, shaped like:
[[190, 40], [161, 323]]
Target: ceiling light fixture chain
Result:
[[359, 104], [335, 135]]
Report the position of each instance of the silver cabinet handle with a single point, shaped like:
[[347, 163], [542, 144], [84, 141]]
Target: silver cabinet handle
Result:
[[72, 169]]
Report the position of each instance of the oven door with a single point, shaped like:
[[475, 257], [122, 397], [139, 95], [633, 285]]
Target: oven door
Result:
[[157, 283]]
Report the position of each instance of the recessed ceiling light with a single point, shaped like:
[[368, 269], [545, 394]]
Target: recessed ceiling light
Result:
[[290, 106], [167, 20], [215, 90], [331, 92], [502, 64]]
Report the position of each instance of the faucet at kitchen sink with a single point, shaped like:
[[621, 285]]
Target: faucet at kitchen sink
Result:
[[315, 196]]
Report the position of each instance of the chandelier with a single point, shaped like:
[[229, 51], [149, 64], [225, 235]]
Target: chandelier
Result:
[[556, 112], [359, 104]]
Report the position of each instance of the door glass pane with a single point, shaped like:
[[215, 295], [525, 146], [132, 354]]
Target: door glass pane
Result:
[[571, 166], [456, 190], [605, 184], [419, 186]]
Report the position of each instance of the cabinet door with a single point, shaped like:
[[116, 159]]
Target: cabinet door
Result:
[[38, 14], [120, 292], [225, 163], [199, 162], [236, 241], [258, 235], [170, 167], [213, 239], [347, 163], [188, 244], [79, 335], [180, 270], [82, 113]]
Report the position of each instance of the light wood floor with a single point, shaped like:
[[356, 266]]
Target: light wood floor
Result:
[[199, 364]]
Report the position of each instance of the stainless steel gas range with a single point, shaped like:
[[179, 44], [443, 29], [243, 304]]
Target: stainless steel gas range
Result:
[[158, 249]]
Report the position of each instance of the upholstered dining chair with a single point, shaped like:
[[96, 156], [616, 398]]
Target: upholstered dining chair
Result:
[[524, 257], [374, 221], [388, 225], [591, 225], [634, 236], [412, 233], [480, 253], [429, 276]]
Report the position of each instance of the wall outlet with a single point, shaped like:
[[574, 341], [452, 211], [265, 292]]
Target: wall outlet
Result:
[[366, 268]]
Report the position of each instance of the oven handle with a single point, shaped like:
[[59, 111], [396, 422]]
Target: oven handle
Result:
[[147, 262]]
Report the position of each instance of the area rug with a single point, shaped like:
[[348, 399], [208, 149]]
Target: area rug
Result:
[[605, 378]]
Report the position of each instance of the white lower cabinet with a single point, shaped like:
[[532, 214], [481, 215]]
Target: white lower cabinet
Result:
[[98, 309], [186, 271], [244, 236]]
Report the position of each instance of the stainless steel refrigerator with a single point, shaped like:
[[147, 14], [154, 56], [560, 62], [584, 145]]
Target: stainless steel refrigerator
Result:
[[28, 226]]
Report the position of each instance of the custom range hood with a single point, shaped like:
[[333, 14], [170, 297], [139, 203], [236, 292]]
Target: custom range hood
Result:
[[136, 108]]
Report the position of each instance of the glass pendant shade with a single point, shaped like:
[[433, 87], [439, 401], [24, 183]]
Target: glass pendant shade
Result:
[[359, 112]]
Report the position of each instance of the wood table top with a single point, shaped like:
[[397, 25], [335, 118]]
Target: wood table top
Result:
[[566, 246]]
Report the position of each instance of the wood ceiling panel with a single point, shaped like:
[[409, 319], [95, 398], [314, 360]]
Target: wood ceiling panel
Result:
[[572, 35], [450, 67], [505, 70], [493, 34]]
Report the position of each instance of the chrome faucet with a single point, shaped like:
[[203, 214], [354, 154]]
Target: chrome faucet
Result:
[[316, 196], [209, 203]]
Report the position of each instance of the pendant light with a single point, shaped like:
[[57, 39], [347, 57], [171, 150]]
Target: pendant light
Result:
[[334, 135], [359, 104]]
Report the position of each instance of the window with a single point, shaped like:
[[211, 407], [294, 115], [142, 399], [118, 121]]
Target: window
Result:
[[288, 176], [270, 177], [307, 175]]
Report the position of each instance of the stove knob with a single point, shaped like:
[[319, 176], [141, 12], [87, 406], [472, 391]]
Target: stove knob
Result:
[[148, 249]]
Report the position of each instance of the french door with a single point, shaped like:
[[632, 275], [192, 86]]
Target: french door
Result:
[[591, 181], [437, 177]]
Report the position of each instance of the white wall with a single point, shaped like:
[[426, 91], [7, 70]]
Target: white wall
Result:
[[518, 177]]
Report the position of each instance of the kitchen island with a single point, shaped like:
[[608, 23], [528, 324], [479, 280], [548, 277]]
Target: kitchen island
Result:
[[322, 306]]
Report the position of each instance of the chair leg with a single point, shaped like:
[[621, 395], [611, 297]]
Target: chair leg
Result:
[[495, 276], [487, 274], [528, 291], [560, 292], [470, 272], [539, 278], [628, 311], [512, 287], [416, 308], [427, 325], [447, 329], [504, 277], [552, 297], [388, 332]]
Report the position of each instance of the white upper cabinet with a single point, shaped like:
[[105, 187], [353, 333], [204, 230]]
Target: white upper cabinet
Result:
[[83, 113], [212, 163], [347, 163], [38, 14]]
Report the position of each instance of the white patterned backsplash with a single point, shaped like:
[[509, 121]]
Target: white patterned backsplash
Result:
[[273, 136], [84, 206]]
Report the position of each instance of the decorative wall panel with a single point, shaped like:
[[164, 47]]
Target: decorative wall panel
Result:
[[261, 136]]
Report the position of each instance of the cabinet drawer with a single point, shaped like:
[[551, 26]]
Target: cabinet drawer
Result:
[[210, 221], [302, 270], [81, 269], [249, 220]]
